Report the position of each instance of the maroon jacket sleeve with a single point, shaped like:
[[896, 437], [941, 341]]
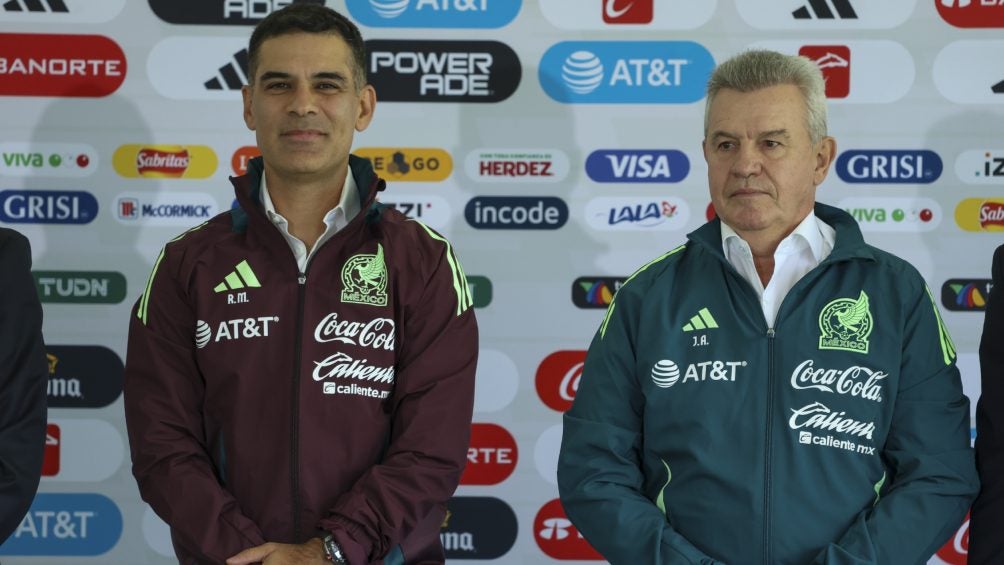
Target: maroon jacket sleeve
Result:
[[432, 405], [163, 394]]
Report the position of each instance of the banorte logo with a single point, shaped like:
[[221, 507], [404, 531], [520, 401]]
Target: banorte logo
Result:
[[956, 549], [558, 538], [491, 456], [36, 64], [164, 161], [980, 214], [557, 378], [972, 13]]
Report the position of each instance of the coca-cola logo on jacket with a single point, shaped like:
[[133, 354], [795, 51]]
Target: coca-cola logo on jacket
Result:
[[558, 378]]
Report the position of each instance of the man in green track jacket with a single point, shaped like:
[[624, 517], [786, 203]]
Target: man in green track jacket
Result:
[[775, 390]]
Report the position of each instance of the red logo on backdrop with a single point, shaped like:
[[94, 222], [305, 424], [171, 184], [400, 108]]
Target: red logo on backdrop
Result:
[[710, 212], [50, 461], [558, 378], [956, 549], [991, 214], [627, 11], [835, 63], [36, 64], [491, 457], [158, 162], [558, 538], [239, 162], [972, 13]]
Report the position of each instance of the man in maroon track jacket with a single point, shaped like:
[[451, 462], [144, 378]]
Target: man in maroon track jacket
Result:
[[300, 372]]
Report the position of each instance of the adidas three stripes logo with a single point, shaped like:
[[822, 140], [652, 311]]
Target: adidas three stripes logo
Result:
[[231, 76], [35, 6], [820, 9]]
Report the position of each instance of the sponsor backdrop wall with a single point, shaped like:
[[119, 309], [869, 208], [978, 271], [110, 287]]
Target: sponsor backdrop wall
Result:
[[556, 142]]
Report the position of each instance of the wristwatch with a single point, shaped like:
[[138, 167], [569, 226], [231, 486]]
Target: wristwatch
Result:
[[332, 551]]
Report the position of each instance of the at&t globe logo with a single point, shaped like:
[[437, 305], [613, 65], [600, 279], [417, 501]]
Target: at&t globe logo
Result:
[[582, 72], [389, 9], [665, 373]]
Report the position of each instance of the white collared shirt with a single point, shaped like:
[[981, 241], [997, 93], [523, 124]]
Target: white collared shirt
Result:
[[800, 252], [336, 218]]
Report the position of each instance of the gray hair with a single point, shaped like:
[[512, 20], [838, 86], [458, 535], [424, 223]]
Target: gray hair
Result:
[[756, 69]]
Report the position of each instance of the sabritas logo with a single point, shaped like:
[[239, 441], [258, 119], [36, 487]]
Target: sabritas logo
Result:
[[60, 65], [21, 159], [627, 11], [972, 13], [595, 292], [557, 378], [558, 538], [491, 456], [980, 214], [966, 294], [956, 549], [835, 63], [50, 461], [408, 163], [164, 161]]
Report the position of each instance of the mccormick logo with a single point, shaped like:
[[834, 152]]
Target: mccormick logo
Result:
[[595, 292], [966, 295], [835, 63], [972, 13], [164, 161], [517, 165], [625, 72], [889, 166], [239, 161], [50, 460], [894, 214], [83, 376], [624, 213], [227, 12], [80, 287], [628, 11], [480, 290], [66, 525], [516, 212], [980, 214], [60, 65], [557, 378], [826, 10], [491, 457], [408, 163], [434, 13], [19, 159], [47, 207], [980, 166], [477, 527], [558, 538], [956, 549], [164, 209], [637, 165], [443, 71]]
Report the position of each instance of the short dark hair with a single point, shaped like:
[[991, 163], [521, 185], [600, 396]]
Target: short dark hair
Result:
[[308, 17]]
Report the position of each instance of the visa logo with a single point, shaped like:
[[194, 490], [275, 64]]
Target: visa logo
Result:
[[889, 166], [637, 165]]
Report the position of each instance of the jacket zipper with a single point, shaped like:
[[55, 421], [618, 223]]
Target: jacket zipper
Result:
[[767, 459], [295, 468]]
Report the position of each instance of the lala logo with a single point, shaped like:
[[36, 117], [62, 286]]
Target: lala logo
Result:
[[364, 279], [845, 324]]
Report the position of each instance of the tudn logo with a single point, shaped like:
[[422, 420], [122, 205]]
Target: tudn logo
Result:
[[665, 373], [389, 9], [231, 76], [54, 6], [582, 72], [203, 333]]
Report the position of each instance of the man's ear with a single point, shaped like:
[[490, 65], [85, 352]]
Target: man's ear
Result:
[[826, 152], [248, 115], [367, 105]]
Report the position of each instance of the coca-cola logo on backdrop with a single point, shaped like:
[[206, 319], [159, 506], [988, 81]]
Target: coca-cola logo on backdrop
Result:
[[558, 377]]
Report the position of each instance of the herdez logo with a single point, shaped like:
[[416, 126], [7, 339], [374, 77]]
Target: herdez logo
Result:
[[626, 72], [480, 290], [620, 213], [66, 524], [557, 378], [60, 65], [47, 159], [60, 11], [491, 457], [434, 13], [972, 13], [979, 214], [980, 167], [164, 208], [889, 166], [215, 12], [477, 527], [558, 538], [595, 292], [966, 295], [80, 287], [637, 165], [517, 165], [516, 212], [845, 324], [164, 161], [443, 71], [47, 207], [364, 279], [83, 376], [408, 163]]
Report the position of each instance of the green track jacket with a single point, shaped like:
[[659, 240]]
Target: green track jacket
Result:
[[700, 435]]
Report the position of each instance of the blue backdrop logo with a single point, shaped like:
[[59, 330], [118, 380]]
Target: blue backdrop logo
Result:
[[66, 524], [626, 72], [637, 165], [47, 207], [516, 212], [896, 166], [434, 13]]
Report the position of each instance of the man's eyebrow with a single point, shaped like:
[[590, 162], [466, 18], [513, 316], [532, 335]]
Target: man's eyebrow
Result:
[[268, 75], [323, 75], [775, 133], [720, 133]]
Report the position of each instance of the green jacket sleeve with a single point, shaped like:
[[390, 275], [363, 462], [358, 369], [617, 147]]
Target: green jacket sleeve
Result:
[[931, 469], [599, 466]]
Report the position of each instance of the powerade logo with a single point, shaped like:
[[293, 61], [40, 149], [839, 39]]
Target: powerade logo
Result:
[[35, 64], [434, 13], [595, 292], [47, 207], [966, 295], [626, 72], [80, 287], [637, 165], [477, 527], [516, 212], [215, 12], [878, 166], [65, 525], [443, 71]]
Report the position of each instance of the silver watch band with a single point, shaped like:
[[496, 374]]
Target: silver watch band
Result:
[[332, 551]]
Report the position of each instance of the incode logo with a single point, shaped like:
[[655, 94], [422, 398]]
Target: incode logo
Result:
[[233, 75], [582, 72], [54, 6], [821, 10]]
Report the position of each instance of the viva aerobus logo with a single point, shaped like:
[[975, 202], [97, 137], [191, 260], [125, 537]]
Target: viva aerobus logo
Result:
[[626, 72], [23, 159], [477, 527], [66, 524], [80, 287], [217, 12], [434, 13], [47, 207], [637, 165], [83, 376], [37, 64], [966, 295]]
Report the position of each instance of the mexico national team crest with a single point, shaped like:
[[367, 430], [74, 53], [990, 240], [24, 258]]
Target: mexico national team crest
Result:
[[845, 324], [364, 279]]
